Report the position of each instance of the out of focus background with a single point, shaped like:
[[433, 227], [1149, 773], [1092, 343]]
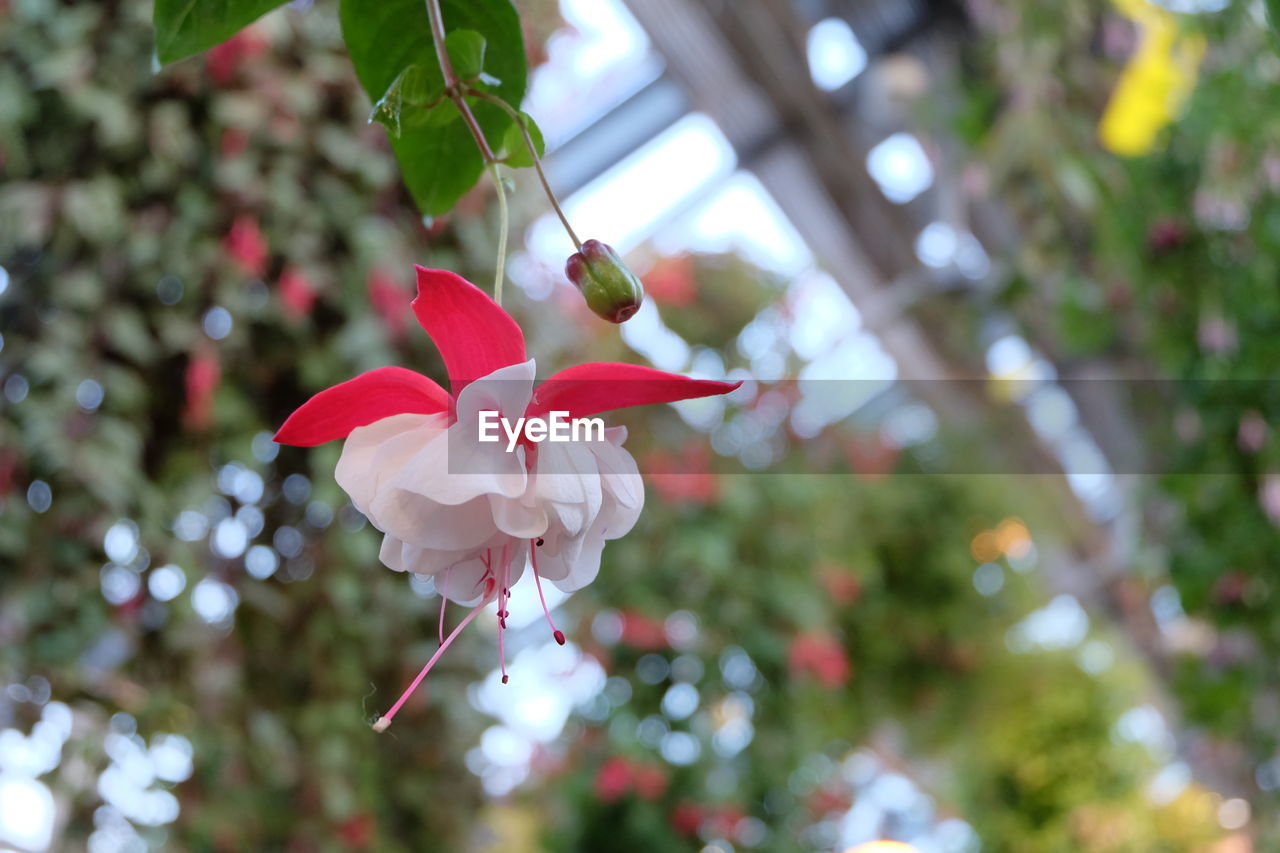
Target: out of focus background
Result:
[[982, 556]]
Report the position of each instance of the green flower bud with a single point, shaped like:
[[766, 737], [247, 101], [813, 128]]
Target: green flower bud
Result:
[[612, 291]]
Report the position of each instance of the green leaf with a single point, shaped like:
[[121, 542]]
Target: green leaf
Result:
[[422, 84], [416, 96], [437, 155], [186, 27], [466, 52], [1273, 16], [518, 156]]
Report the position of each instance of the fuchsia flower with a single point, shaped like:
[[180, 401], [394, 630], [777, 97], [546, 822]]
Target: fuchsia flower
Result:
[[468, 512]]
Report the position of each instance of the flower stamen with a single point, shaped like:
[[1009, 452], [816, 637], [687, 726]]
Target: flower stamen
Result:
[[555, 632], [503, 593], [384, 722]]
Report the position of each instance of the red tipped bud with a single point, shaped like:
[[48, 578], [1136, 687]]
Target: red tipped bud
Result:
[[612, 291]]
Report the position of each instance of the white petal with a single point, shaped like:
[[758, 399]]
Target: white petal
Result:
[[568, 477], [456, 467], [404, 557], [506, 390], [427, 524], [372, 453], [576, 565], [618, 470], [517, 517], [465, 581]]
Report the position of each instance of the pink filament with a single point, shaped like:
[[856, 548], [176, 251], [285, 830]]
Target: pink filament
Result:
[[503, 592], [555, 632], [385, 720]]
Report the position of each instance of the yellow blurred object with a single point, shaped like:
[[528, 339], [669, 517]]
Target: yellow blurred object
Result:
[[1154, 85], [1013, 538], [985, 547], [509, 829], [883, 847]]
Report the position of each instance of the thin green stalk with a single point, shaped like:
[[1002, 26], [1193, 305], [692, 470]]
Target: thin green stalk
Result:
[[451, 81], [533, 154], [502, 233]]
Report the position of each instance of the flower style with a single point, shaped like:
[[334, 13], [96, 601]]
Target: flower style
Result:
[[469, 512]]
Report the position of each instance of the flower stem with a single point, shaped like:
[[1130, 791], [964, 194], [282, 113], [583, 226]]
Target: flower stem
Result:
[[533, 153], [452, 85], [502, 233]]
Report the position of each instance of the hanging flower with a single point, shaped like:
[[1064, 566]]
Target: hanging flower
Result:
[[466, 506]]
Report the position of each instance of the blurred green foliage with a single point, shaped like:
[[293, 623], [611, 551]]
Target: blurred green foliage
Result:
[[1163, 267], [212, 244]]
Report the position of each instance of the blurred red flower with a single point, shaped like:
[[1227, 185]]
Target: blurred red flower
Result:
[[613, 780], [388, 300], [246, 246], [202, 378], [618, 777], [649, 780], [8, 468], [641, 632], [870, 458], [296, 293], [671, 281], [225, 60], [684, 477], [357, 831], [234, 142], [824, 801], [840, 583], [818, 655]]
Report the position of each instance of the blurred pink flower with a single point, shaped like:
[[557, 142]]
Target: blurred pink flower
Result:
[[671, 281], [224, 60], [819, 656], [612, 780], [246, 246], [685, 477], [641, 632], [387, 298], [296, 293], [1269, 497], [1251, 435], [202, 378], [618, 777]]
